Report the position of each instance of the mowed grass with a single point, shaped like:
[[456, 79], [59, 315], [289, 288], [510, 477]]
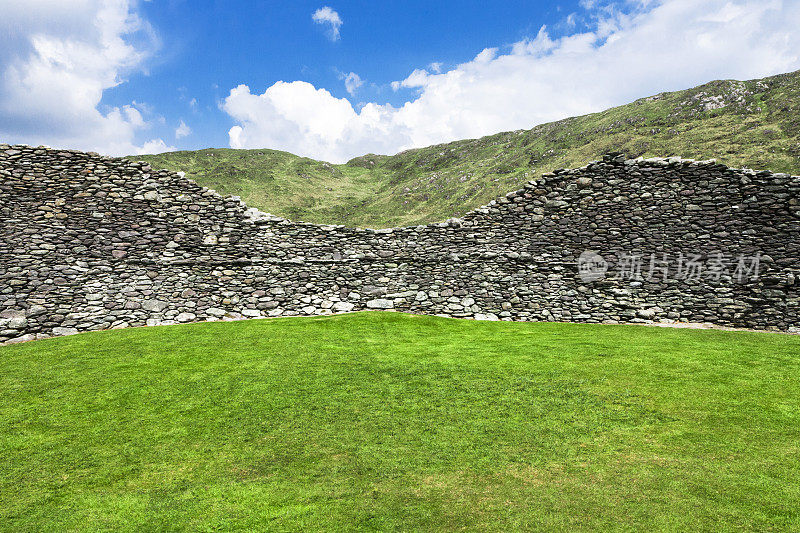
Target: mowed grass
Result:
[[386, 421]]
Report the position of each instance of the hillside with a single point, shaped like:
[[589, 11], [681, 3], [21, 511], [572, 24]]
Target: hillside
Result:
[[395, 422], [753, 123]]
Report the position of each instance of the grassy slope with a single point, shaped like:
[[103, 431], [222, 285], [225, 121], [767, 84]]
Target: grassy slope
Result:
[[758, 127], [390, 421]]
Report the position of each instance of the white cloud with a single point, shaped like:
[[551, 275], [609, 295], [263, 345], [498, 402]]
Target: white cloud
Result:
[[418, 78], [58, 58], [352, 82], [307, 121], [156, 146], [326, 15], [570, 20], [656, 46], [182, 130]]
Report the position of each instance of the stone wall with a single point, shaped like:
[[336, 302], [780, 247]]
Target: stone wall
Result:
[[90, 242]]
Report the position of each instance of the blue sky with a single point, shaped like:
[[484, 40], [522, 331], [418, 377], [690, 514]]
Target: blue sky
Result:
[[209, 47], [336, 79]]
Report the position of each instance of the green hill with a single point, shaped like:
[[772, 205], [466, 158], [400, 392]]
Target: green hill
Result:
[[392, 422], [754, 123]]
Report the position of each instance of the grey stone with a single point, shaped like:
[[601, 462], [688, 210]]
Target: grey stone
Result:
[[154, 305], [17, 323], [37, 310], [23, 338], [647, 314], [185, 317], [380, 303], [59, 331]]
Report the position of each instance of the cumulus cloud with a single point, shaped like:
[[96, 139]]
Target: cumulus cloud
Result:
[[648, 47], [307, 121], [155, 146], [58, 58], [327, 16], [182, 130]]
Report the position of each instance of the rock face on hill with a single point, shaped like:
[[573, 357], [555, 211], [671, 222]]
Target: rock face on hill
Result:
[[90, 242]]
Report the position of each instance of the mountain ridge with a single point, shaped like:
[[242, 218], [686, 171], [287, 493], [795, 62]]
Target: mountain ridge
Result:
[[754, 123]]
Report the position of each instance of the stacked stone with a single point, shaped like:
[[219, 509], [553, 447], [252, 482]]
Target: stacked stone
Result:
[[90, 242]]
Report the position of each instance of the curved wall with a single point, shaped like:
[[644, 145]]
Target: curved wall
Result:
[[90, 242]]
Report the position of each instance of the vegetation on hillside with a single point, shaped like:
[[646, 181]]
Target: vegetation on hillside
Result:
[[754, 124], [392, 422]]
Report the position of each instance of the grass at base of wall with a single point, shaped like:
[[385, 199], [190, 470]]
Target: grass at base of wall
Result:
[[386, 421]]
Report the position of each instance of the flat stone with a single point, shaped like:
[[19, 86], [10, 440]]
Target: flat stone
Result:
[[64, 331], [36, 310], [185, 317], [23, 338], [154, 305], [17, 323], [380, 303], [646, 313], [343, 307]]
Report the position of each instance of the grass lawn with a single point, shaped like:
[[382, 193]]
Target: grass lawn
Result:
[[385, 421]]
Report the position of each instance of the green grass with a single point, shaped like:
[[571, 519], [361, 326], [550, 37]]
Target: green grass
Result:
[[385, 421], [759, 127]]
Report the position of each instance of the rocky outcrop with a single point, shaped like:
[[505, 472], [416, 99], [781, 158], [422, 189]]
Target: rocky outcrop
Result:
[[90, 242]]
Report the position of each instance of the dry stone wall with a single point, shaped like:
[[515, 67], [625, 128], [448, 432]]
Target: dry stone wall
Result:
[[90, 242]]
